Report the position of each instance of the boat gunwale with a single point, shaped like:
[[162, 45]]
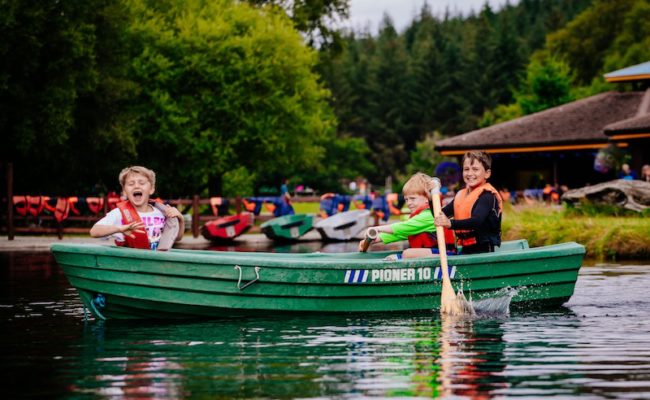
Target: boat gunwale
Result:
[[317, 260]]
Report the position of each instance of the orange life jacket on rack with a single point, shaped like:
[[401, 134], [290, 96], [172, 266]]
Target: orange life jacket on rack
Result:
[[140, 240], [49, 204], [393, 199], [72, 202], [20, 204], [248, 205], [113, 199], [95, 204], [428, 239], [62, 209], [463, 204], [34, 205]]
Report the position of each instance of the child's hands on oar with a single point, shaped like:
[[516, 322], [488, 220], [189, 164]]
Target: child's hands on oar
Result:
[[371, 236]]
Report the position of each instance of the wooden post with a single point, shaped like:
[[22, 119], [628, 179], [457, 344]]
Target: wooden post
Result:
[[238, 205], [10, 201], [195, 216]]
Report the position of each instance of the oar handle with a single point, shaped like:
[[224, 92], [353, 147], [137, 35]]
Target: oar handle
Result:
[[371, 234], [440, 231]]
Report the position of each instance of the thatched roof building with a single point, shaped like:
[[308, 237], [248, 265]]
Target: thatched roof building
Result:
[[573, 126], [635, 73], [559, 145]]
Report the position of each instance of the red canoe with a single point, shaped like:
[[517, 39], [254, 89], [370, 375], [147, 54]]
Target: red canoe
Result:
[[227, 228]]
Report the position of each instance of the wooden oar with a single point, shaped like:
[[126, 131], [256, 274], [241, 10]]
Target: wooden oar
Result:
[[371, 235], [450, 302]]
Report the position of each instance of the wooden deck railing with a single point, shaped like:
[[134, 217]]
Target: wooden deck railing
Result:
[[74, 223]]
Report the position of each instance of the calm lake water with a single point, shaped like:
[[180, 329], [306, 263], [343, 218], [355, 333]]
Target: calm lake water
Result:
[[598, 346]]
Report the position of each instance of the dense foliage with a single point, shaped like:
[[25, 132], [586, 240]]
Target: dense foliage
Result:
[[201, 91], [441, 74], [225, 96]]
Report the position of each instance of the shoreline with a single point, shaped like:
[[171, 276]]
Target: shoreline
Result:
[[43, 243]]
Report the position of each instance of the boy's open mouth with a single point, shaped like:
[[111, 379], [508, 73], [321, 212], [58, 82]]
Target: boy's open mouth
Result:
[[137, 195]]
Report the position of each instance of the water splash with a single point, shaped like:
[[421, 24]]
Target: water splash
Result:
[[497, 305]]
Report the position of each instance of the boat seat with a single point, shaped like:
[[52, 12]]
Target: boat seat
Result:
[[520, 244], [229, 223], [348, 225], [292, 224]]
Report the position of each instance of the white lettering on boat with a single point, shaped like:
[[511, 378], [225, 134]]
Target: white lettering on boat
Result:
[[355, 276]]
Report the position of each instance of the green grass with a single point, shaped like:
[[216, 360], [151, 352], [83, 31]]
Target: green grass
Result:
[[605, 236], [306, 208]]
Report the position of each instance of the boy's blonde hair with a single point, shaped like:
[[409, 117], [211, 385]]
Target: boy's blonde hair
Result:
[[137, 169], [418, 184]]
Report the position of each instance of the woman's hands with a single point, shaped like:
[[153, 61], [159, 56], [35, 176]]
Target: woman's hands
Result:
[[442, 220]]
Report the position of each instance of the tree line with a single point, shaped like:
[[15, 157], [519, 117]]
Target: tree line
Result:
[[445, 75], [223, 97]]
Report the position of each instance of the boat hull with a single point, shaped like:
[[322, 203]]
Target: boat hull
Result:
[[227, 228], [288, 227], [127, 283], [343, 226]]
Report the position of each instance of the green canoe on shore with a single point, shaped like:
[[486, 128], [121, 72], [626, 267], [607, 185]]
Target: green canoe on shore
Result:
[[122, 283], [288, 227]]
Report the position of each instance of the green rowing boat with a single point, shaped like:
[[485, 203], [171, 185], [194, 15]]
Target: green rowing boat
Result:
[[123, 283], [289, 227]]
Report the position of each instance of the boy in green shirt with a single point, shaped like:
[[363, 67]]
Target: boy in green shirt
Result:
[[419, 229]]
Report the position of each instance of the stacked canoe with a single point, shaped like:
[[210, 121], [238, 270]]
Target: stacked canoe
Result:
[[227, 228], [347, 225]]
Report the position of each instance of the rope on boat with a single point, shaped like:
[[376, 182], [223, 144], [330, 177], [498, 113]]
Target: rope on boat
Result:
[[94, 309], [257, 274]]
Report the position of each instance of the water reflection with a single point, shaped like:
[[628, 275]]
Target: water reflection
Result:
[[596, 347], [303, 357]]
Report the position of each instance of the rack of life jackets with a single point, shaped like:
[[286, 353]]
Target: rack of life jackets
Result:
[[382, 206], [62, 207]]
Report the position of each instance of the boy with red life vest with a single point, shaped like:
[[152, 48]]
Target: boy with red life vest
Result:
[[419, 229], [136, 222], [476, 209]]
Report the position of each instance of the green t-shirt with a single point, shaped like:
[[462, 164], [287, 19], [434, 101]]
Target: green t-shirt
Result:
[[423, 222]]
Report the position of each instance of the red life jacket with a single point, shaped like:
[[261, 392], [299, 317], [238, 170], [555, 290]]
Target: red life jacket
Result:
[[95, 204], [20, 203], [34, 205], [129, 215], [463, 204], [62, 209], [72, 201], [49, 204], [428, 239]]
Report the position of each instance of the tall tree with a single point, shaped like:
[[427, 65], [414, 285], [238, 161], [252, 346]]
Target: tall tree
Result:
[[585, 40], [388, 71], [632, 45], [547, 84], [315, 18], [423, 86], [223, 86], [62, 76]]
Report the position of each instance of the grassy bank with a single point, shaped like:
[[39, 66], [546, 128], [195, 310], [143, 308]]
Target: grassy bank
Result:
[[604, 236]]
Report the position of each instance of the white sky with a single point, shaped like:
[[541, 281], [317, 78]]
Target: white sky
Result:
[[369, 13]]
